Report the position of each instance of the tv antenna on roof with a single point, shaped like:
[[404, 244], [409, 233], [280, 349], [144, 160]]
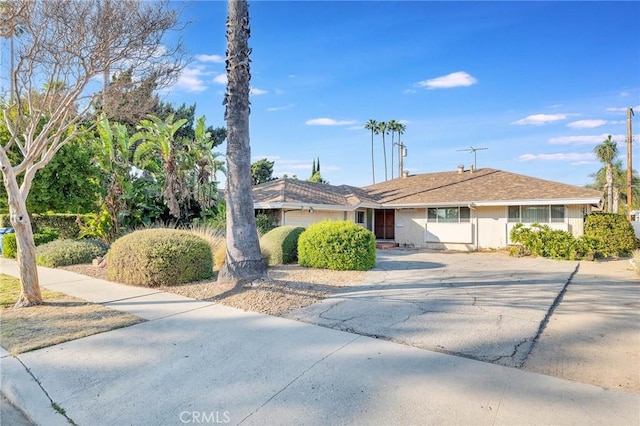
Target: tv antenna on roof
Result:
[[473, 150]]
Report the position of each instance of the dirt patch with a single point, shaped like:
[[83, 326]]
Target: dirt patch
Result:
[[60, 319], [288, 287]]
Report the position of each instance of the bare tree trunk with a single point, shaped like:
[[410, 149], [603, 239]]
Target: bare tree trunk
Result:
[[30, 287], [616, 201], [244, 261], [609, 178]]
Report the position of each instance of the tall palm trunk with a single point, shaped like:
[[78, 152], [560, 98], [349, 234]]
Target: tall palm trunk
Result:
[[384, 153], [609, 178], [244, 261], [373, 166]]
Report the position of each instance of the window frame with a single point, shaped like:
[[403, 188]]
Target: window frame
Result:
[[552, 216], [445, 215]]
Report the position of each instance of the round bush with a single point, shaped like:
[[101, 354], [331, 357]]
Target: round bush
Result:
[[280, 245], [154, 257], [338, 245], [69, 252], [613, 232]]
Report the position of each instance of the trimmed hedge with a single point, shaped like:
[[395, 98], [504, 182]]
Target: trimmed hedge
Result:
[[69, 252], [280, 245], [65, 223], [10, 245], [154, 257], [613, 232], [338, 245]]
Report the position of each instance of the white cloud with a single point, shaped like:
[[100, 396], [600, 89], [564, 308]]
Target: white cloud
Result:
[[455, 79], [256, 91], [623, 109], [217, 59], [281, 108], [329, 122], [541, 119], [576, 157], [220, 79], [586, 124], [584, 139], [191, 80]]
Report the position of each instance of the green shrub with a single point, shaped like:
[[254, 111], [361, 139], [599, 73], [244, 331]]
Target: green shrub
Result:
[[10, 245], [5, 220], [541, 240], [69, 252], [154, 257], [613, 232], [338, 245], [66, 224], [280, 245], [264, 223]]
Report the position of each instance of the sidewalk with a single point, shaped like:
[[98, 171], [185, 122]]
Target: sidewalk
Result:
[[197, 362]]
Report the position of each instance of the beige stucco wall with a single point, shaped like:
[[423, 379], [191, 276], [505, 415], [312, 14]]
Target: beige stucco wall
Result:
[[410, 226], [488, 229], [305, 218]]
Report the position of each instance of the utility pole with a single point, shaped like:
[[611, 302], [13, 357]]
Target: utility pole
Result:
[[629, 162], [473, 150], [402, 152]]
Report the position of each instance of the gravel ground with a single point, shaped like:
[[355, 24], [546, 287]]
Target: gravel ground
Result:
[[288, 287]]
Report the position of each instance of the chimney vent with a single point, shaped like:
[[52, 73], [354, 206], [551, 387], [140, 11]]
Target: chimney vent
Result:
[[405, 173], [471, 168], [460, 168]]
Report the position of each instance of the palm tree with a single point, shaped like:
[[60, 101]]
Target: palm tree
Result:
[[372, 125], [392, 126], [383, 129], [620, 181], [157, 141], [400, 129], [607, 152], [244, 262]]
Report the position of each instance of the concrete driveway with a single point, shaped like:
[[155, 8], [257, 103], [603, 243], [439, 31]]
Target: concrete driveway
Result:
[[484, 306]]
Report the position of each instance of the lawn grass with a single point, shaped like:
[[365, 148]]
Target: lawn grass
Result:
[[61, 318]]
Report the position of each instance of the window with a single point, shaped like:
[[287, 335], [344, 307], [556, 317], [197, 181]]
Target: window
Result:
[[359, 217], [535, 214], [557, 213], [514, 213], [449, 214]]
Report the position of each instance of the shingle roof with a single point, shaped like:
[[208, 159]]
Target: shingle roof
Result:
[[304, 192], [481, 185]]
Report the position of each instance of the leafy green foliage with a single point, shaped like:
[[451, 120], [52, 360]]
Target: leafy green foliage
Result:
[[262, 171], [541, 240], [69, 183], [10, 244], [69, 252], [338, 245], [264, 223], [66, 224], [613, 232], [154, 257], [280, 245]]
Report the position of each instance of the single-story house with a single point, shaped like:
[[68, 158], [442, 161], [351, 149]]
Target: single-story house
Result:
[[456, 210]]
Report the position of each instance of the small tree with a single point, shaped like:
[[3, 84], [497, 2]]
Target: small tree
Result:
[[262, 171], [65, 45]]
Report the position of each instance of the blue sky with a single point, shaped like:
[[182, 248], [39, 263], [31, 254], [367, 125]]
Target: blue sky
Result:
[[536, 83]]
